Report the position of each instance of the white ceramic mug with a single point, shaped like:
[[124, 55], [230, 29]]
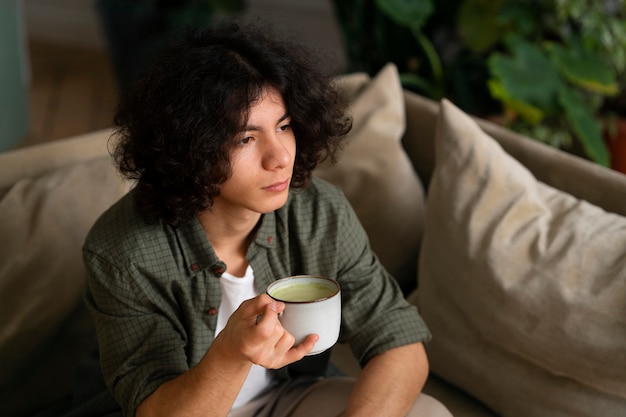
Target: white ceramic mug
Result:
[[312, 306]]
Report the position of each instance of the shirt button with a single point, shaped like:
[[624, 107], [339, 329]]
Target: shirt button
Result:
[[219, 270], [270, 239], [212, 311], [194, 267]]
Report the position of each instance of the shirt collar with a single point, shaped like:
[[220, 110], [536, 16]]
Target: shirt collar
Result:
[[198, 254], [266, 233]]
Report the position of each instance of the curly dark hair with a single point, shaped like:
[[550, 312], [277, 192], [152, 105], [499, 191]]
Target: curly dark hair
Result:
[[174, 129]]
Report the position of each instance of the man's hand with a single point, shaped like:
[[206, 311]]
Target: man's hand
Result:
[[255, 334]]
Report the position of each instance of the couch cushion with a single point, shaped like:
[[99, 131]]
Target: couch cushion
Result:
[[376, 174], [45, 220], [523, 286]]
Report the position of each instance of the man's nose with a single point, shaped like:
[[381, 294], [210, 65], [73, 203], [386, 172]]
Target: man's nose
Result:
[[277, 154]]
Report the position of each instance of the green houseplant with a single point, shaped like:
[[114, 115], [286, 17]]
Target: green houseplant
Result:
[[549, 66], [559, 63]]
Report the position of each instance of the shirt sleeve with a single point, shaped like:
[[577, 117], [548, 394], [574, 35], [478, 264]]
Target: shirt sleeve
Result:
[[376, 315], [140, 346]]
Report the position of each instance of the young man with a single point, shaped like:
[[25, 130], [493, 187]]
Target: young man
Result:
[[221, 137]]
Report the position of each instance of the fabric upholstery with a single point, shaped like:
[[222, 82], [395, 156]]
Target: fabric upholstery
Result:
[[41, 269], [522, 285], [376, 174]]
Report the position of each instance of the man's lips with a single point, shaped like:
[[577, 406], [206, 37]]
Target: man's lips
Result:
[[278, 186]]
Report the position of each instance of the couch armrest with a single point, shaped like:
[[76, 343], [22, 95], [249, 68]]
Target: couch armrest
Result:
[[35, 160], [579, 177]]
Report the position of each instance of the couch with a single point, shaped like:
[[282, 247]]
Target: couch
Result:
[[514, 253]]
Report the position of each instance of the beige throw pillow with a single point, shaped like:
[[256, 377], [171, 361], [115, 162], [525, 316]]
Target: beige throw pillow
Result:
[[376, 174], [44, 223], [523, 286]]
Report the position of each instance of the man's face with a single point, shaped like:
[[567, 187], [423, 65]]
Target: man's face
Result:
[[262, 161]]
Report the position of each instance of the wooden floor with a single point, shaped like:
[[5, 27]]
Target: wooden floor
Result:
[[73, 91]]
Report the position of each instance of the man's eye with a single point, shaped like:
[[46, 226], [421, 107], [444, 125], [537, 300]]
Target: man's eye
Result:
[[245, 141]]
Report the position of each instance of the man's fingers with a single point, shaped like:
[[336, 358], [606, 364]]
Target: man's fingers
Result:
[[285, 342], [255, 310], [268, 330], [299, 351], [269, 317], [256, 305]]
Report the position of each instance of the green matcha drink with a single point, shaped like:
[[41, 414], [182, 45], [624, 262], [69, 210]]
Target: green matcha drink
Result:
[[302, 292]]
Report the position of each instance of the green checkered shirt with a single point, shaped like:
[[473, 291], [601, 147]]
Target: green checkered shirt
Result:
[[154, 289]]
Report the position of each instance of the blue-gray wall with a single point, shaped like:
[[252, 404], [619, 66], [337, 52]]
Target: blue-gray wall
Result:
[[13, 74]]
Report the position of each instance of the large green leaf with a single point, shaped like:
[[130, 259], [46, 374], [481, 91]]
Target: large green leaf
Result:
[[410, 13], [586, 128], [479, 14], [528, 112], [527, 75], [583, 67]]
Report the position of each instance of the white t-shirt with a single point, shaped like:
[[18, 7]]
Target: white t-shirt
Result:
[[234, 292]]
